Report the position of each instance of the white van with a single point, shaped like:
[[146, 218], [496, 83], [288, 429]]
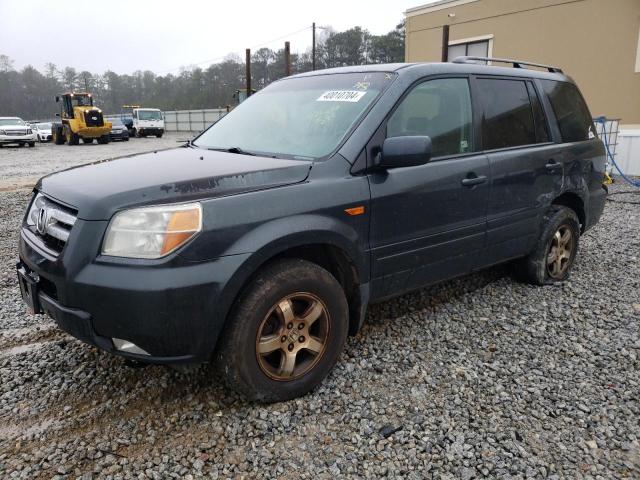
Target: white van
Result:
[[148, 121]]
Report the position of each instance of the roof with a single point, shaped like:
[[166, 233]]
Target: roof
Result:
[[378, 67], [435, 6], [437, 68]]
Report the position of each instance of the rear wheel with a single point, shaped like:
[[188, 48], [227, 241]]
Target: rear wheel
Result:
[[286, 332], [552, 259], [32, 144], [87, 140], [103, 139], [159, 135]]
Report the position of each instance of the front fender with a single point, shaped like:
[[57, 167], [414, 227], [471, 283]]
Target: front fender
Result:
[[275, 237]]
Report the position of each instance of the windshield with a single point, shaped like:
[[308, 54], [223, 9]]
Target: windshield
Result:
[[11, 121], [82, 101], [149, 115], [115, 121], [304, 117], [43, 126]]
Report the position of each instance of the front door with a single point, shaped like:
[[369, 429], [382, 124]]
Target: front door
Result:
[[428, 222]]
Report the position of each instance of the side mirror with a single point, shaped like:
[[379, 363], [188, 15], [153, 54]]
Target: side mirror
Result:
[[407, 151], [57, 114]]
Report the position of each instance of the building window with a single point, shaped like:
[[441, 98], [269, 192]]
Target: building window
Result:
[[473, 49]]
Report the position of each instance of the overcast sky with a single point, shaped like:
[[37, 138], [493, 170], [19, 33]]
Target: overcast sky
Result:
[[162, 36]]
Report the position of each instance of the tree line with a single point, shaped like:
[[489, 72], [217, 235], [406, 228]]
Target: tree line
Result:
[[30, 93]]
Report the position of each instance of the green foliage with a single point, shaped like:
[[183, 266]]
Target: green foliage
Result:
[[30, 94]]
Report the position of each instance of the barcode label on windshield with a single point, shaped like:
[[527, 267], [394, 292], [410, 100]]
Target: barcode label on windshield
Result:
[[341, 96]]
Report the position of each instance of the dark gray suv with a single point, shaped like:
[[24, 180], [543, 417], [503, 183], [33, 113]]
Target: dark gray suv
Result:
[[260, 244]]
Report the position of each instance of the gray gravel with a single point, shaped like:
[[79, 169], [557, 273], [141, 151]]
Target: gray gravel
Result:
[[481, 377], [22, 166]]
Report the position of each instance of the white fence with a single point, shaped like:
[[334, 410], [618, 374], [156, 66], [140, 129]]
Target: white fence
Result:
[[191, 120]]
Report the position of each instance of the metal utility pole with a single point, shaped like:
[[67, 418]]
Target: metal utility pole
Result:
[[313, 46], [248, 72], [445, 43], [287, 59]]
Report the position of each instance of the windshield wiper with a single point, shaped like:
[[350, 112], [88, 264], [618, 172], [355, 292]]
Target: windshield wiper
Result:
[[233, 150]]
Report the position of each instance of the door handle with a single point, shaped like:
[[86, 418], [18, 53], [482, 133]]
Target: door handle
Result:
[[475, 180], [552, 166]]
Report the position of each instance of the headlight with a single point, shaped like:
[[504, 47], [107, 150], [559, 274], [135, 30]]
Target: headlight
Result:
[[152, 232], [2, 132], [29, 131]]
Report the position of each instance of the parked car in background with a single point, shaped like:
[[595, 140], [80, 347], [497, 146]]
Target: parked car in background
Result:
[[127, 120], [14, 130], [118, 130], [148, 121], [260, 244], [42, 131]]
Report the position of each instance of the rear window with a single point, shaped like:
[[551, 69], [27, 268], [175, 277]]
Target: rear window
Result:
[[571, 112], [507, 119]]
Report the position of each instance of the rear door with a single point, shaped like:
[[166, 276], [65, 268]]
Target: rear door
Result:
[[428, 221], [526, 166]]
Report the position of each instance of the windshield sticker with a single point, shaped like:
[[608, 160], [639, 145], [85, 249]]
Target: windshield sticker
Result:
[[341, 96], [362, 85]]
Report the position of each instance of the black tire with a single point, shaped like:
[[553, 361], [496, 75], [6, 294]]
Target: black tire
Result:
[[71, 138], [87, 140], [103, 140], [32, 144], [159, 135], [549, 262], [237, 357], [57, 136], [126, 139]]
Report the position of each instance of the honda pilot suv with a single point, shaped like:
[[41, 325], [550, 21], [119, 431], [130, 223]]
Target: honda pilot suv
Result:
[[260, 244]]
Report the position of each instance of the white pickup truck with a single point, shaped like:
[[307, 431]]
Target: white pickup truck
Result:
[[148, 121]]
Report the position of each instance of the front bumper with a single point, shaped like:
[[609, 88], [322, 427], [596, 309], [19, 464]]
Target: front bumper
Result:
[[172, 309], [119, 135], [44, 137], [18, 138], [151, 131], [94, 132]]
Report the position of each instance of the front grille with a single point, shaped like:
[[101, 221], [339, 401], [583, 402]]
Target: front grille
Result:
[[16, 132], [93, 118], [50, 223]]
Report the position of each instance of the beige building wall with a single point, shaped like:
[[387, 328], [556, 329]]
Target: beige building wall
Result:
[[596, 42]]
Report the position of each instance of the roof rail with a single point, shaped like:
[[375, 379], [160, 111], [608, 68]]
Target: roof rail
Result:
[[515, 63]]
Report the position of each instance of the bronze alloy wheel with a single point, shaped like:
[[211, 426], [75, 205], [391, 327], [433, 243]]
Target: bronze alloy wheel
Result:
[[292, 336], [560, 252]]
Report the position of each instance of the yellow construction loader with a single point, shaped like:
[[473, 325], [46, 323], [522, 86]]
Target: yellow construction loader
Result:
[[79, 119]]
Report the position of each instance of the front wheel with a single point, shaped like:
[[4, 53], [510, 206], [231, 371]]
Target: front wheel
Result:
[[285, 333], [552, 259], [32, 144]]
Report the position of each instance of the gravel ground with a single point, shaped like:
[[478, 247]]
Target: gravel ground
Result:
[[481, 377], [23, 166]]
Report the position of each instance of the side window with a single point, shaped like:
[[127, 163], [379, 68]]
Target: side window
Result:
[[507, 116], [440, 109], [571, 112], [542, 130]]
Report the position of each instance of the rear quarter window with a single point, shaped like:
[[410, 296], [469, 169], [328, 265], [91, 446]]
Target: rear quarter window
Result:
[[572, 114]]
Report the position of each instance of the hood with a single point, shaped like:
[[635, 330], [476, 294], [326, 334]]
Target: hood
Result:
[[99, 189]]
